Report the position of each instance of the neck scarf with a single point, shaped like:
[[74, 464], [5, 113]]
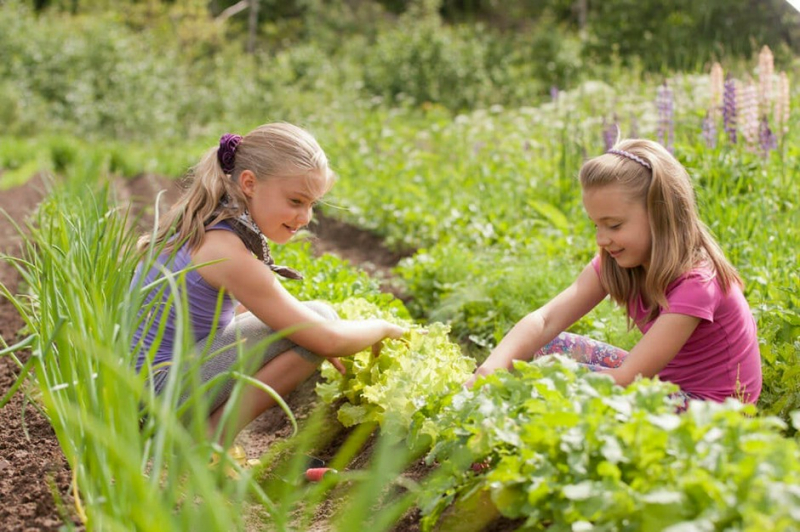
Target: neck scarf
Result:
[[245, 228]]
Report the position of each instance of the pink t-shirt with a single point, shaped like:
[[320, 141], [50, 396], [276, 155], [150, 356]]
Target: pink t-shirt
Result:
[[721, 358]]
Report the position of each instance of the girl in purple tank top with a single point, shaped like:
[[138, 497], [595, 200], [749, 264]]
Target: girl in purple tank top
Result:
[[658, 260], [244, 191]]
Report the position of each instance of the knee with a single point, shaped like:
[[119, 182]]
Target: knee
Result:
[[323, 309]]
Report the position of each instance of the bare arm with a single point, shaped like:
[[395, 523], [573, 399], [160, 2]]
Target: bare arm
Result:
[[656, 348], [257, 289], [539, 327]]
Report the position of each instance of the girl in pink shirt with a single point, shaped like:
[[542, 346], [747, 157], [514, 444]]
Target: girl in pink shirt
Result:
[[659, 261]]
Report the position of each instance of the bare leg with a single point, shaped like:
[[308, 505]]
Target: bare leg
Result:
[[283, 374]]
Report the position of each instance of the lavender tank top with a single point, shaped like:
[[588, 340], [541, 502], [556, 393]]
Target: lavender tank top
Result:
[[202, 302]]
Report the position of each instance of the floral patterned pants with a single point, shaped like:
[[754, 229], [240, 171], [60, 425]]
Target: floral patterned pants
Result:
[[597, 356]]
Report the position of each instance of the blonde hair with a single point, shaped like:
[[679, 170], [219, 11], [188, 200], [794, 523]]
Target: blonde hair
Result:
[[272, 150], [680, 240]]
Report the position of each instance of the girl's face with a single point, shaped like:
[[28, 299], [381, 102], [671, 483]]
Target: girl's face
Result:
[[623, 228], [281, 206]]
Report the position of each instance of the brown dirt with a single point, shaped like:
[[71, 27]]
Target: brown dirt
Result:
[[33, 470], [32, 465]]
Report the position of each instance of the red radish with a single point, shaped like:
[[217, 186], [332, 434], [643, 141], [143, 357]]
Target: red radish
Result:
[[479, 467], [315, 474]]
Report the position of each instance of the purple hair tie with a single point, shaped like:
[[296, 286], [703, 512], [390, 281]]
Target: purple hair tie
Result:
[[226, 154], [631, 156]]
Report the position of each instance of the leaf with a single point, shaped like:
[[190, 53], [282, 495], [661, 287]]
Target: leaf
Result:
[[578, 492], [551, 214]]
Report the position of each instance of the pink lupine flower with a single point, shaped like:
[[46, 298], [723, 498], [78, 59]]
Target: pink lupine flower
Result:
[[782, 106], [717, 88], [748, 111], [766, 68]]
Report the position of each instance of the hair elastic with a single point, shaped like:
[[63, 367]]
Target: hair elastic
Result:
[[631, 156], [226, 154]]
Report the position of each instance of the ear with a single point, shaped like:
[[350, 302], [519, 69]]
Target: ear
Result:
[[247, 181]]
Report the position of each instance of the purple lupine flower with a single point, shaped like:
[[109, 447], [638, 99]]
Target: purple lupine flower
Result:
[[729, 109], [610, 133], [634, 127], [666, 112], [710, 130], [766, 138], [553, 93]]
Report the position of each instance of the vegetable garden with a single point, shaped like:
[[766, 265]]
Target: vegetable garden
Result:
[[484, 205]]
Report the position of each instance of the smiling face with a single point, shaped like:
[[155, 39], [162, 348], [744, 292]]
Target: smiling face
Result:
[[622, 225], [281, 206]]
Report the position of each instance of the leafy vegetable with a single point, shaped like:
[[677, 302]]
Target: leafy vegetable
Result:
[[408, 373]]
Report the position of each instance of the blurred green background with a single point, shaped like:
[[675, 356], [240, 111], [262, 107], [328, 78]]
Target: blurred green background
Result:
[[149, 69]]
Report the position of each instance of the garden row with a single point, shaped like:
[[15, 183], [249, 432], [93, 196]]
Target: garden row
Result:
[[549, 443]]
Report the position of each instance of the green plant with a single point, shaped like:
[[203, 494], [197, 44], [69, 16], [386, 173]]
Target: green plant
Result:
[[566, 448]]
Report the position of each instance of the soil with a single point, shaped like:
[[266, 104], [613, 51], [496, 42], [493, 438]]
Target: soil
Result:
[[32, 466], [33, 471]]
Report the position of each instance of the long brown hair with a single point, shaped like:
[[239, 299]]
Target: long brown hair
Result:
[[272, 150], [680, 240]]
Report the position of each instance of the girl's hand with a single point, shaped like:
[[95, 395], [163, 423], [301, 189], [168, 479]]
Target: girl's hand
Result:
[[394, 331], [337, 364], [391, 331], [478, 372]]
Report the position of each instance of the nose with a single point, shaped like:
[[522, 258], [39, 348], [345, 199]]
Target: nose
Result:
[[602, 238], [305, 216]]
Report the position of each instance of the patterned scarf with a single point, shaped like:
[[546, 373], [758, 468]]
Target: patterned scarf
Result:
[[246, 229]]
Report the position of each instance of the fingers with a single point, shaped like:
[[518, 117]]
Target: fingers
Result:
[[480, 372], [395, 331], [336, 363], [376, 348]]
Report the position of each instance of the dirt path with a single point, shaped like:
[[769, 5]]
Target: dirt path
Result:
[[32, 464]]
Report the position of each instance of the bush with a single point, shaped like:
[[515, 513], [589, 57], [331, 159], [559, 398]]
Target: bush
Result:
[[427, 62]]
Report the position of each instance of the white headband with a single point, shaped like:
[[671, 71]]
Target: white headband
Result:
[[632, 157]]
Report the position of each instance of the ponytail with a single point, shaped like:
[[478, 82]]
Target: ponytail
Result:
[[199, 206]]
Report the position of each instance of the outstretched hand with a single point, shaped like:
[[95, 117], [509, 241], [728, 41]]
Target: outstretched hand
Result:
[[395, 331], [470, 382], [392, 331], [337, 364], [478, 372]]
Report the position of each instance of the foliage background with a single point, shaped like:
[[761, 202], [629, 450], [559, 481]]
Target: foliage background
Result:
[[457, 128], [86, 66]]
